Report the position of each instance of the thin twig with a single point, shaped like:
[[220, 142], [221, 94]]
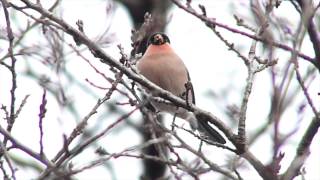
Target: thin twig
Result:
[[12, 69], [64, 152], [212, 22], [42, 113], [7, 158], [81, 147], [23, 102], [123, 153]]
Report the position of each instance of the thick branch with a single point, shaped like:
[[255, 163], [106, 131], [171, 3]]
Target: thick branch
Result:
[[262, 170]]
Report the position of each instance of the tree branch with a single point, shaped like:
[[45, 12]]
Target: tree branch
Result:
[[12, 69], [211, 22], [307, 14]]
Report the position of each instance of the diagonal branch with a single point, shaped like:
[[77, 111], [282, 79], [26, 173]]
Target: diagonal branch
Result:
[[19, 145], [308, 12], [211, 22], [303, 150]]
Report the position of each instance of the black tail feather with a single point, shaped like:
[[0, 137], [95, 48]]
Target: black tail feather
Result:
[[212, 134]]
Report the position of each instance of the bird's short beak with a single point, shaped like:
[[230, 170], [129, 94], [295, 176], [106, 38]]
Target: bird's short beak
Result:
[[159, 39]]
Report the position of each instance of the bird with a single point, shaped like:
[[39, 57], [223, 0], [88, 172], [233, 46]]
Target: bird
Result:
[[161, 65]]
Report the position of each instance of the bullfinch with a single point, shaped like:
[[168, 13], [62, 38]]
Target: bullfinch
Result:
[[162, 66]]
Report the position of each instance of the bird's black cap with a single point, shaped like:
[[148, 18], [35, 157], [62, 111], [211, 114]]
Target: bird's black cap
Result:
[[158, 38]]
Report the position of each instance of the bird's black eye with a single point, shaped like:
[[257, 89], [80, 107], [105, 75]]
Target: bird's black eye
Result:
[[158, 39]]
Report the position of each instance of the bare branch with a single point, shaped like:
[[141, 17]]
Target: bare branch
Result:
[[42, 113], [212, 22], [7, 158], [12, 69], [18, 145]]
